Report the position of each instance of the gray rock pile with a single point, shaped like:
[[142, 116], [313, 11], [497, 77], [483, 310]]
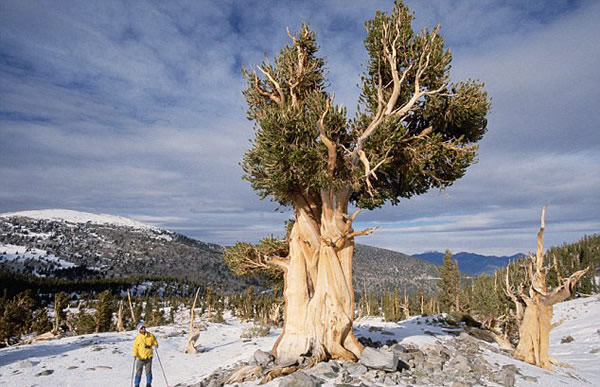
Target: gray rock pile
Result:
[[457, 363]]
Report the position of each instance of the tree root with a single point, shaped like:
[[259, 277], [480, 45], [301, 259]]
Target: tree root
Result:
[[277, 372], [245, 373], [253, 372], [555, 362]]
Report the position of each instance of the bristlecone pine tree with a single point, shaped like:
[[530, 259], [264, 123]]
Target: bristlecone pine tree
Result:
[[534, 307], [414, 130]]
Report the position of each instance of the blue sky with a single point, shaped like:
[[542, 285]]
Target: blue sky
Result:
[[134, 108]]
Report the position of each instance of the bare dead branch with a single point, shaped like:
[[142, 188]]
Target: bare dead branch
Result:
[[331, 148], [539, 262], [281, 99], [565, 290]]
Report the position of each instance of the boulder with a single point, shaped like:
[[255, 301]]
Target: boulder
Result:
[[262, 358], [300, 379], [379, 359]]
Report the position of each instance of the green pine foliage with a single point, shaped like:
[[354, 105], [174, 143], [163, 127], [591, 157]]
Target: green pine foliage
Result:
[[104, 312], [449, 284], [287, 158], [391, 306], [41, 321], [16, 316], [83, 322]]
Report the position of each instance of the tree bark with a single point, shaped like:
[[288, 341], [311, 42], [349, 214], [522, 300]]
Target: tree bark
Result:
[[534, 334], [536, 307], [318, 293]]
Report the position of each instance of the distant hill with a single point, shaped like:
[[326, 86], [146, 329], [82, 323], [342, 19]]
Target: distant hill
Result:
[[471, 263], [378, 269], [79, 245]]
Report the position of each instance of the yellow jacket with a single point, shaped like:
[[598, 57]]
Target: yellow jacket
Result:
[[142, 345]]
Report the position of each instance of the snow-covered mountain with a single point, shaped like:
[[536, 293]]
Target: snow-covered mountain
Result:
[[105, 358], [70, 216], [76, 245]]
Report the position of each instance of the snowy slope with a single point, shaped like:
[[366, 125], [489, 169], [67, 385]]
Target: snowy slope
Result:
[[105, 359], [80, 217]]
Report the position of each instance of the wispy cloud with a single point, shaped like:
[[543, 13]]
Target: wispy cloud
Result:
[[135, 108]]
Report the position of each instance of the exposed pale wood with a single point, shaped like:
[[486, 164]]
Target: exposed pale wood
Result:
[[120, 327], [131, 308], [534, 329], [248, 372], [43, 337], [331, 148], [319, 300], [194, 332], [56, 316]]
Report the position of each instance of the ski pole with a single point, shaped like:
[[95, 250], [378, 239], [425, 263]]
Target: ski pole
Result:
[[161, 367], [132, 371]]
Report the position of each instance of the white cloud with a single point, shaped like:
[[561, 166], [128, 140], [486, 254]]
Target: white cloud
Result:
[[136, 109]]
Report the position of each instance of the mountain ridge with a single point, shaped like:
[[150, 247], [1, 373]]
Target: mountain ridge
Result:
[[79, 245], [471, 263]]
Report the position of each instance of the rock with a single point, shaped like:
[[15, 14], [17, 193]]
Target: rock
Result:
[[405, 357], [399, 348], [300, 379], [402, 365], [378, 359], [25, 364], [325, 369], [567, 339], [387, 333], [506, 378], [262, 358], [335, 365], [595, 350], [480, 334], [356, 369], [72, 367], [215, 383], [45, 373], [431, 366], [344, 378], [511, 367]]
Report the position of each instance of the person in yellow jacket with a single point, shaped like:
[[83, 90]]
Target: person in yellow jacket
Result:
[[142, 353]]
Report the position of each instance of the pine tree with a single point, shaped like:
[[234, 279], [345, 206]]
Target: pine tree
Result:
[[16, 316], [448, 285], [41, 321], [148, 310], [104, 312]]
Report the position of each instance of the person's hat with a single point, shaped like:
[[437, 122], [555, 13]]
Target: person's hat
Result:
[[141, 325]]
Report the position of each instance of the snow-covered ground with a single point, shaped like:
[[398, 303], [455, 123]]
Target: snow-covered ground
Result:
[[106, 360]]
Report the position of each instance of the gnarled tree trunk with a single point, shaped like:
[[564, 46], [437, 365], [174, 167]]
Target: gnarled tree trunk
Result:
[[318, 293], [534, 310]]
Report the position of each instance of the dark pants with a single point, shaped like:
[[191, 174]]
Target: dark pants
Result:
[[146, 364]]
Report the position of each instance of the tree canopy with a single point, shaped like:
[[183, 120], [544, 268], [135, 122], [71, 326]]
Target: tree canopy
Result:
[[414, 129]]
